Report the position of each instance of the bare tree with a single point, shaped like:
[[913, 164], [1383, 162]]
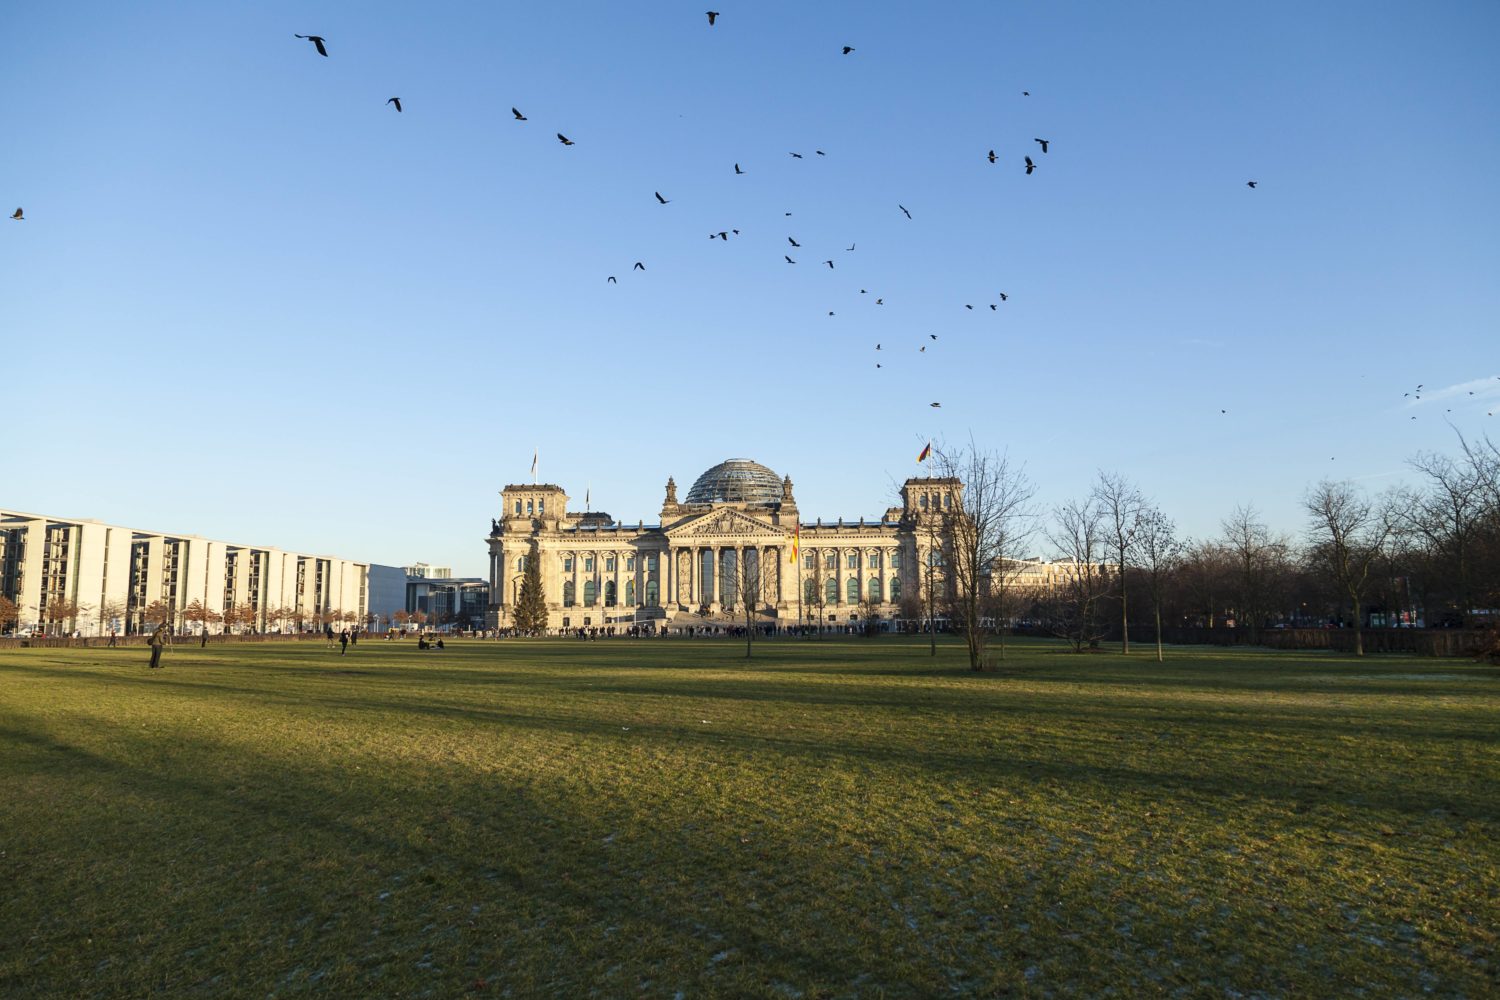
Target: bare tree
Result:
[[1260, 560], [1449, 515], [814, 588], [1347, 533], [1159, 551], [1078, 536], [109, 611], [753, 579], [1123, 505], [988, 520], [59, 611]]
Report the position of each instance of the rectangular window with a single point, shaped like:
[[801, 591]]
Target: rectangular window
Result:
[[567, 564], [896, 560], [630, 562], [851, 562], [609, 564], [588, 564], [809, 561]]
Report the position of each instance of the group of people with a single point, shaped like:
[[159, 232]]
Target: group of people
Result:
[[346, 638]]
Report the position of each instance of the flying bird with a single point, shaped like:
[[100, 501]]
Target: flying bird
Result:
[[935, 406], [993, 307], [967, 306], [796, 156], [737, 169], [660, 198], [1029, 166], [933, 336], [317, 40], [564, 139], [922, 349], [721, 235], [820, 152], [519, 117], [789, 260], [713, 15], [877, 347], [1025, 93], [903, 209], [639, 266], [880, 302], [396, 101], [992, 156], [848, 49], [850, 250], [793, 242], [1250, 184], [1043, 143], [830, 264], [18, 216], [877, 364], [612, 280], [1003, 296]]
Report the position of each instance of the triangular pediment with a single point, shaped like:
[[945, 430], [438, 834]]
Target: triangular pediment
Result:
[[724, 524]]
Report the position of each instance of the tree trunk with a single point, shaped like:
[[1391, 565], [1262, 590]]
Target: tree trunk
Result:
[[1359, 638], [1158, 633], [1124, 614]]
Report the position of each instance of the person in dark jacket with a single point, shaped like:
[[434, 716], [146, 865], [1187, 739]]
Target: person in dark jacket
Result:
[[158, 640]]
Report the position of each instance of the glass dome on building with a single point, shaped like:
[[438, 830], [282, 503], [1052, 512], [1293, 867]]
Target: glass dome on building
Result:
[[737, 480]]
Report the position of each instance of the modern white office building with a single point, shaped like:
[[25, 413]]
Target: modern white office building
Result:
[[106, 577]]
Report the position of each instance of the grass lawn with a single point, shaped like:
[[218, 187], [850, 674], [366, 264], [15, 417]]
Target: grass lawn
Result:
[[662, 818]]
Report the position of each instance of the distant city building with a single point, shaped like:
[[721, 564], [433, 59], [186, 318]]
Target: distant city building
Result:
[[387, 594], [461, 601], [426, 572], [110, 578]]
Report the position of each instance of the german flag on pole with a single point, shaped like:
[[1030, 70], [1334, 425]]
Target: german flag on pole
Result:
[[925, 452], [796, 543]]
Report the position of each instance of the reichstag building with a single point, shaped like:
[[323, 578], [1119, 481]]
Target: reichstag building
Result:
[[729, 544]]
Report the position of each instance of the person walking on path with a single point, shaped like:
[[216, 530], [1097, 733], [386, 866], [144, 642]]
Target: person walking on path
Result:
[[158, 640], [343, 643], [328, 634], [113, 638]]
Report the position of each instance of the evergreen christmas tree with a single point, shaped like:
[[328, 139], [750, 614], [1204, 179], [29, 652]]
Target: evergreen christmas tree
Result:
[[531, 606]]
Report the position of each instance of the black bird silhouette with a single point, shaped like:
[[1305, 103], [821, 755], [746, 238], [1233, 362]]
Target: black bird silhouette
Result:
[[880, 302], [639, 266], [1043, 143], [1250, 184], [793, 242], [903, 209], [993, 157], [1223, 411], [1003, 296], [796, 156], [789, 260], [712, 16], [396, 101], [660, 198], [18, 216], [877, 364], [993, 307], [519, 117], [851, 248], [1029, 166], [1025, 93], [848, 49], [935, 405], [820, 152], [723, 236], [922, 349], [861, 291], [317, 40], [612, 280], [877, 347], [830, 264], [737, 169], [830, 312], [933, 336], [564, 139], [967, 306]]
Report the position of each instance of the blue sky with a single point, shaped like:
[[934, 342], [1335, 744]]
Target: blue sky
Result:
[[253, 302]]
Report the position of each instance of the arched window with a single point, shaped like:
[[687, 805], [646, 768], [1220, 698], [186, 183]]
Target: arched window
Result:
[[541, 506], [653, 594], [875, 589], [895, 591], [609, 593], [590, 593], [831, 592], [853, 590], [630, 593], [570, 593], [810, 591]]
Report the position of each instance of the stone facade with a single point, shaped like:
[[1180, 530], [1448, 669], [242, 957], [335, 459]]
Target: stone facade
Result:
[[705, 559]]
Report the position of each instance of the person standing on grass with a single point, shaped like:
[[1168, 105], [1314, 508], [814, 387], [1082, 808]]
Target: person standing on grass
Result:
[[158, 640], [343, 643]]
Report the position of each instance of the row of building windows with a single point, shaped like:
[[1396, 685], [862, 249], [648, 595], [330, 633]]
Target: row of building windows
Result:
[[945, 498], [851, 560], [851, 591]]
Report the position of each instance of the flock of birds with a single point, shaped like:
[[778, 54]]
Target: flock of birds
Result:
[[320, 44]]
